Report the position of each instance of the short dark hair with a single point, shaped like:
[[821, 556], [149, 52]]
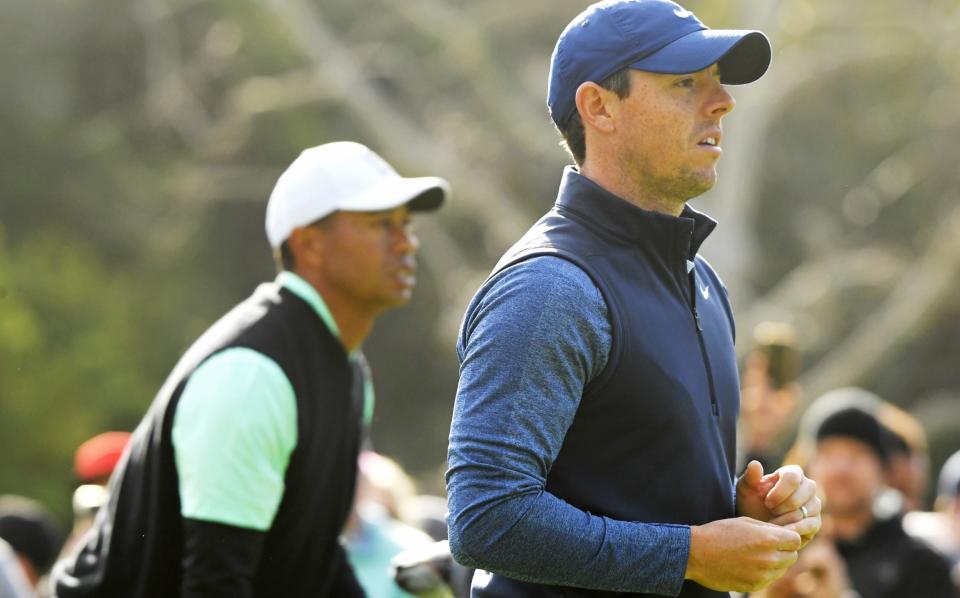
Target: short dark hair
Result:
[[283, 258], [574, 138]]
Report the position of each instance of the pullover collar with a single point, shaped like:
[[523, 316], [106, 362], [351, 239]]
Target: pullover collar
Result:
[[674, 239]]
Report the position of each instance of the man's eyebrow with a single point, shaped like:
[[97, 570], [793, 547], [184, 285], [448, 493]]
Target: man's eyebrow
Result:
[[712, 70], [376, 213]]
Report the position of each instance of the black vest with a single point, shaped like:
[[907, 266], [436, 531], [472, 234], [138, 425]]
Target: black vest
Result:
[[654, 436], [136, 546]]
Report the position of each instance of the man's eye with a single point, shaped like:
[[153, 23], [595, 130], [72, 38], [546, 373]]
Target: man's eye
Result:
[[685, 82], [393, 223]]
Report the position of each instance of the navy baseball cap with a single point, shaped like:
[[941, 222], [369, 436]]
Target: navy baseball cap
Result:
[[657, 36]]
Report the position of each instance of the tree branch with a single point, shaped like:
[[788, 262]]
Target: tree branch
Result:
[[915, 303], [486, 200]]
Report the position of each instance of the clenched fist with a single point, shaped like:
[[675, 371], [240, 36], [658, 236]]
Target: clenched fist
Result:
[[741, 554]]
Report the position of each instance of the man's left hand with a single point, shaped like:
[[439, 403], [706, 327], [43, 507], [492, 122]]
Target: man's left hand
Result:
[[778, 497]]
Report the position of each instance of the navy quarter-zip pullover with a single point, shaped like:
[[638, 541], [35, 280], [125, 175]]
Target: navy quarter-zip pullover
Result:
[[596, 415]]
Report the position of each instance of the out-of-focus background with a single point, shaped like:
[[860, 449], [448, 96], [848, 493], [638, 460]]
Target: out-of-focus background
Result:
[[140, 140]]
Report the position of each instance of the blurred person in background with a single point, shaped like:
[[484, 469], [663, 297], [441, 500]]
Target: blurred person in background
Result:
[[948, 513], [383, 482], [376, 531], [850, 456], [906, 472], [425, 570], [593, 442], [13, 578], [241, 476], [32, 540], [93, 463], [769, 393], [429, 513], [908, 465], [819, 573]]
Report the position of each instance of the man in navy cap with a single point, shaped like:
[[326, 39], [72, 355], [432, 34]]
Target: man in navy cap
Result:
[[592, 447]]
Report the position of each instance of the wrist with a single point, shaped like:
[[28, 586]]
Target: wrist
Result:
[[696, 538]]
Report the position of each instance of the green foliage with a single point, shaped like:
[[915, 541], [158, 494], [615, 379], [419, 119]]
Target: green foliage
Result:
[[73, 361]]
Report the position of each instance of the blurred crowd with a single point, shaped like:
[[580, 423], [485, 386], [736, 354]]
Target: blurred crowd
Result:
[[395, 536], [882, 536], [872, 465]]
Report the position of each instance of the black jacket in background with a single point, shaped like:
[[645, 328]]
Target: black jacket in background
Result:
[[885, 562]]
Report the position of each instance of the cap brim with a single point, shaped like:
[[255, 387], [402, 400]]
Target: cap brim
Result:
[[421, 194], [744, 56]]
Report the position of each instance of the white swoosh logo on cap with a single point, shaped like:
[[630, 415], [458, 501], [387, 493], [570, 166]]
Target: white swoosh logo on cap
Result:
[[682, 13]]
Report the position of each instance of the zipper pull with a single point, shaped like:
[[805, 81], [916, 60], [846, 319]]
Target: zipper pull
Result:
[[696, 317]]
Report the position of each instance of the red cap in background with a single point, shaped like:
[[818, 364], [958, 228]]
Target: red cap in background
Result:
[[96, 458]]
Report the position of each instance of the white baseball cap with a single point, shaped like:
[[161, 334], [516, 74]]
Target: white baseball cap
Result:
[[343, 175]]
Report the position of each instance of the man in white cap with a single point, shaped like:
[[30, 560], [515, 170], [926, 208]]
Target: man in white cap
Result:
[[240, 477]]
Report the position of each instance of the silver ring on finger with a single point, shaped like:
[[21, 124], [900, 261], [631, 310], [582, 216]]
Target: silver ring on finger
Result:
[[804, 512]]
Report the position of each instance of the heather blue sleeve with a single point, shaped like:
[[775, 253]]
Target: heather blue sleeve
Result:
[[531, 340]]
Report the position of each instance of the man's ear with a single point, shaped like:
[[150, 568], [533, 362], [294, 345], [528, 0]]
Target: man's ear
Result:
[[598, 107], [306, 245]]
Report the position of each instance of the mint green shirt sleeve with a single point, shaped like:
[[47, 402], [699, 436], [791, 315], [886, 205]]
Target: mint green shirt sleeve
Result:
[[233, 432]]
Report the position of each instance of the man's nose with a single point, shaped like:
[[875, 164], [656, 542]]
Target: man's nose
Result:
[[721, 103], [406, 241]]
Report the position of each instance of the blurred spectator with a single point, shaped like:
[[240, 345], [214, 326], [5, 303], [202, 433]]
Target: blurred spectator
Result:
[[382, 481], [375, 533], [430, 572], [93, 462], [13, 578], [769, 393], [818, 573], [29, 530], [850, 453], [948, 506], [908, 469], [428, 513], [425, 567]]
